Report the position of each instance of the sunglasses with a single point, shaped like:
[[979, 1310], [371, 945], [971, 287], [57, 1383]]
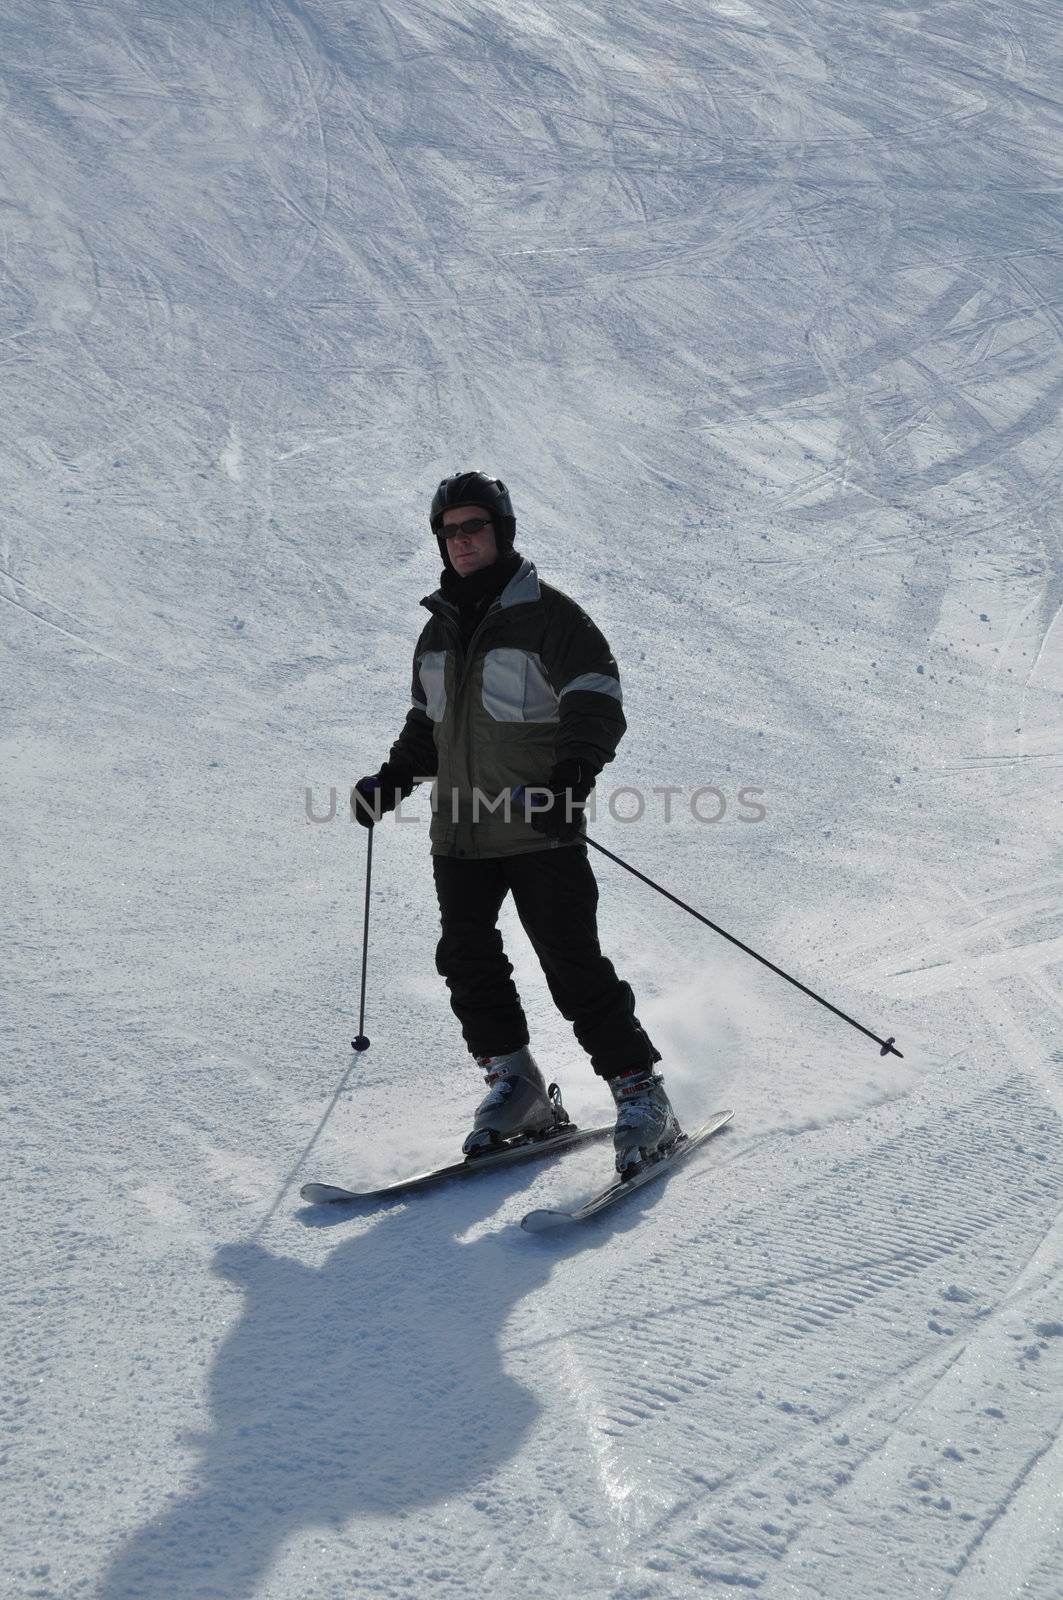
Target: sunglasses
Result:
[[450, 530]]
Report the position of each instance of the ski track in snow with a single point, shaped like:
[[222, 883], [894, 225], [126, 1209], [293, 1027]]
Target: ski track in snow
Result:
[[776, 1436], [757, 309]]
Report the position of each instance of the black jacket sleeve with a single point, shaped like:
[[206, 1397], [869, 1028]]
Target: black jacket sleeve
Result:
[[586, 679]]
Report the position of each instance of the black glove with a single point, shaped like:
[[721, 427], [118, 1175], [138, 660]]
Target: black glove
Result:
[[569, 784], [373, 796]]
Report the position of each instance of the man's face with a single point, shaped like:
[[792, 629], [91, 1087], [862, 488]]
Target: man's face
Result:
[[469, 552]]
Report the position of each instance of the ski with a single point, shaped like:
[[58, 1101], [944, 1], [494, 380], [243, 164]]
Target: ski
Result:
[[685, 1145], [566, 1137]]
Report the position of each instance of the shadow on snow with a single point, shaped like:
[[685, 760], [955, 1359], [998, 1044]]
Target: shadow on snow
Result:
[[371, 1384]]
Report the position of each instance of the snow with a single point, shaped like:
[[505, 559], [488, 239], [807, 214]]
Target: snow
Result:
[[756, 308]]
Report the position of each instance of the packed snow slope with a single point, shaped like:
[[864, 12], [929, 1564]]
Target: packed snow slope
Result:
[[756, 306]]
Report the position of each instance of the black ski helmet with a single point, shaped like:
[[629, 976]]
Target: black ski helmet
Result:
[[475, 489]]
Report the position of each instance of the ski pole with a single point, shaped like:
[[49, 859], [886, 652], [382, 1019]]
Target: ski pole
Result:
[[361, 1042], [889, 1047]]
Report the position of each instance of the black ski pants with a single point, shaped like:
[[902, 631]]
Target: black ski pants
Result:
[[556, 896]]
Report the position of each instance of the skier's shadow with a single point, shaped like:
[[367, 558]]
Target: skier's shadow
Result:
[[373, 1383]]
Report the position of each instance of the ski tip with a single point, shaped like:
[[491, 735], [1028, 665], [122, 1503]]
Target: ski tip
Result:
[[323, 1194], [544, 1221]]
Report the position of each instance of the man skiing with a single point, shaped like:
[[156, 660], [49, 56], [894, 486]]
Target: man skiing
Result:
[[516, 709]]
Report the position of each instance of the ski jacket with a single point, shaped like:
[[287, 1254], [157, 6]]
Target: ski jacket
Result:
[[536, 685]]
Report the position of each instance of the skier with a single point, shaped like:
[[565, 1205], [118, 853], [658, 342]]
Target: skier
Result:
[[516, 709]]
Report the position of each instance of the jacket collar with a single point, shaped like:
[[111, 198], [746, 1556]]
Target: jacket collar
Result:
[[521, 590]]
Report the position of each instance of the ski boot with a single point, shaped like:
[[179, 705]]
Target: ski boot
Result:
[[517, 1106], [646, 1125]]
